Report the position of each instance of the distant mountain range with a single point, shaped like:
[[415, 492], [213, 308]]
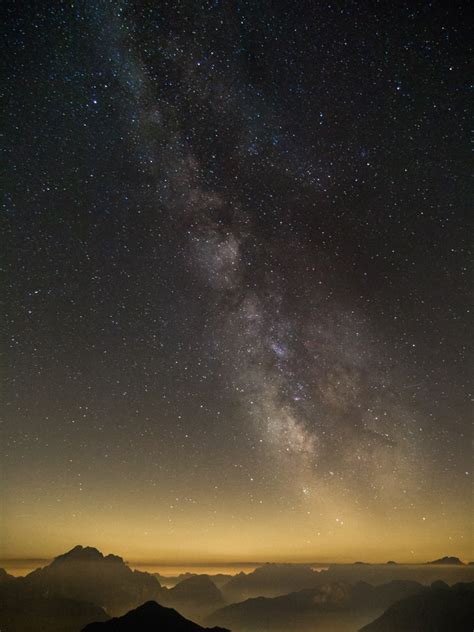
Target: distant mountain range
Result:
[[435, 609], [270, 580], [168, 581], [324, 606], [150, 617], [84, 586]]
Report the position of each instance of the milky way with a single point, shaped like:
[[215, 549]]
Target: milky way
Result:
[[237, 278]]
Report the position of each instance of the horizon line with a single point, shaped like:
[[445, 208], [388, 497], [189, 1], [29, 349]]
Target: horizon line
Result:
[[177, 564]]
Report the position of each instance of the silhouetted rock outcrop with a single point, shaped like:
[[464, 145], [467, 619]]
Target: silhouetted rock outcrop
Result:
[[435, 609], [5, 577], [150, 617], [447, 560], [84, 574]]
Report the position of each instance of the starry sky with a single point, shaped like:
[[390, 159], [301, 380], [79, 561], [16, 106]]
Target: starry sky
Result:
[[236, 280]]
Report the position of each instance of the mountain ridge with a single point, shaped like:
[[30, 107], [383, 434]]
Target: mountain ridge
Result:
[[150, 617]]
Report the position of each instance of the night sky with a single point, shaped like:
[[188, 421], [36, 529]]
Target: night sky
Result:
[[236, 280]]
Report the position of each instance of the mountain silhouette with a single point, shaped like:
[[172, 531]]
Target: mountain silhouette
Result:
[[170, 581], [199, 587], [24, 608], [364, 596], [436, 609], [327, 606], [447, 560], [83, 586], [85, 574], [377, 574], [5, 577], [270, 580], [149, 617], [194, 597]]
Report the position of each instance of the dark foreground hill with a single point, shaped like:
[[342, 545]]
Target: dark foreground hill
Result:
[[25, 609], [436, 609], [5, 577], [150, 617]]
